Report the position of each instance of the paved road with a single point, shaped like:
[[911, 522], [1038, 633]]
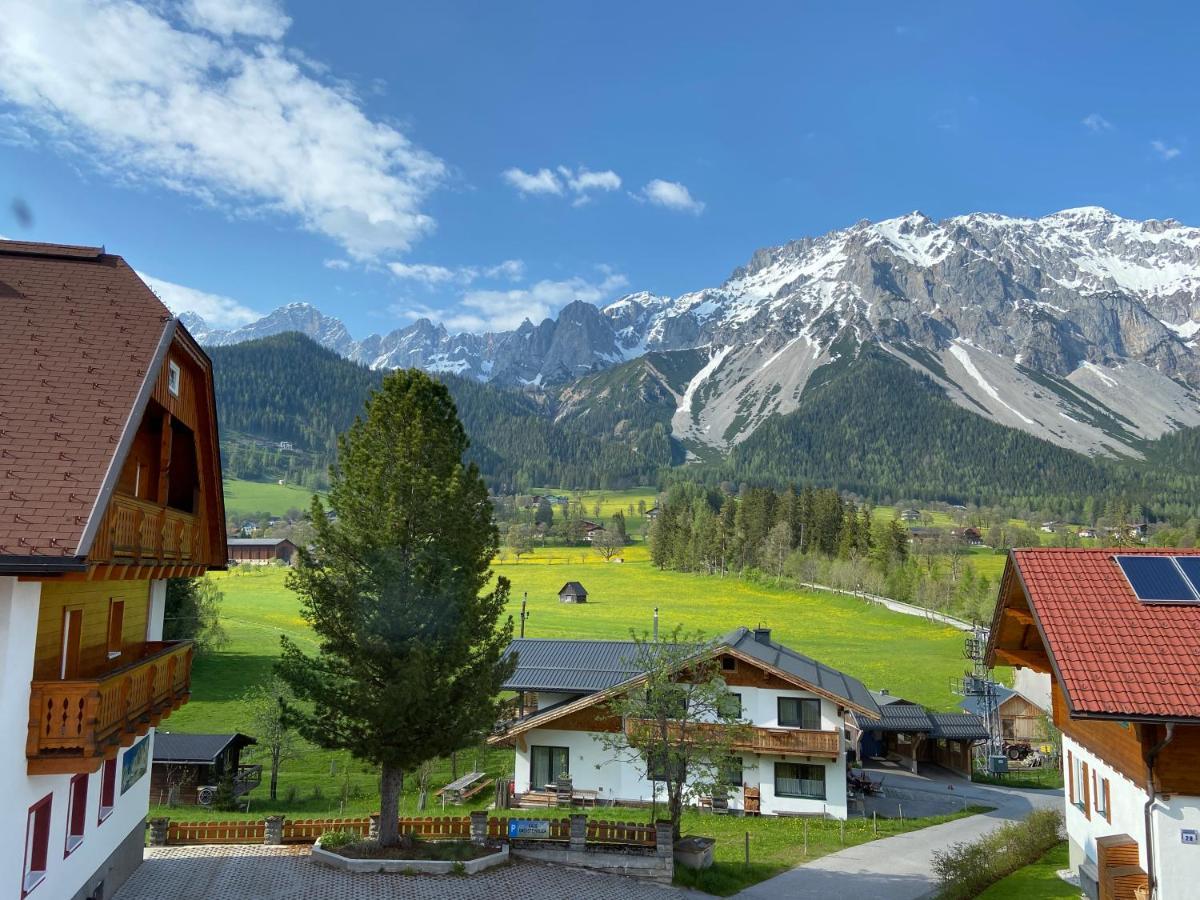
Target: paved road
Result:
[[286, 873], [899, 868]]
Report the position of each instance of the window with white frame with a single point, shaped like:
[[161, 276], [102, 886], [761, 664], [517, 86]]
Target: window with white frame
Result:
[[1078, 771], [76, 813], [173, 378], [37, 844]]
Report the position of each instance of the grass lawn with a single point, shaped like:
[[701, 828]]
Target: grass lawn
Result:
[[610, 501], [247, 497], [1038, 880]]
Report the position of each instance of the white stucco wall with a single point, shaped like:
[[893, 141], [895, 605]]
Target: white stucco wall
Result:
[[18, 631], [593, 767], [1177, 865], [1034, 686]]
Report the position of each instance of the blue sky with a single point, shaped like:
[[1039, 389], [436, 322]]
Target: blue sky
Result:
[[480, 162]]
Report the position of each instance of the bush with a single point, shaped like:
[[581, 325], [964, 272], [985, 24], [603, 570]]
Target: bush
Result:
[[336, 840], [965, 870]]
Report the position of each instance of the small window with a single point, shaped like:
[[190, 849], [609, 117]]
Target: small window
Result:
[[728, 664], [1079, 780], [800, 780], [108, 789], [731, 772], [797, 712], [76, 812], [37, 844], [173, 378], [659, 763], [116, 628], [733, 705]]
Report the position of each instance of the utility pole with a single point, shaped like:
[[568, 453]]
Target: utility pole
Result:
[[524, 614], [656, 623]]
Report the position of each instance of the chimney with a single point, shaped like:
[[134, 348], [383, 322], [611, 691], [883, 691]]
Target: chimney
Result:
[[762, 635]]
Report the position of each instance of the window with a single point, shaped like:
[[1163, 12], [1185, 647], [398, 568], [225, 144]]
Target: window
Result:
[[108, 789], [1103, 804], [72, 637], [547, 765], [734, 707], [116, 627], [76, 812], [173, 378], [728, 664], [795, 712], [731, 772], [658, 764], [800, 780], [37, 844]]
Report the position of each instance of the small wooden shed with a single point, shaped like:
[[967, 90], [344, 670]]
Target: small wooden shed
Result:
[[572, 592]]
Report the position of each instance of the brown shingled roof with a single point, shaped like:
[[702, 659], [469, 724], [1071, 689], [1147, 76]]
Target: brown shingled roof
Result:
[[79, 331]]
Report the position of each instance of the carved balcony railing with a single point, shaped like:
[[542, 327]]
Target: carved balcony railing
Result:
[[74, 722], [782, 741], [135, 531]]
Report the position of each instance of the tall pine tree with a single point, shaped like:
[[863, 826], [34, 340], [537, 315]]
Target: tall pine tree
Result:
[[410, 656]]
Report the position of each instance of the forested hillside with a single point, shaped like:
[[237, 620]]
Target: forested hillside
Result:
[[868, 425]]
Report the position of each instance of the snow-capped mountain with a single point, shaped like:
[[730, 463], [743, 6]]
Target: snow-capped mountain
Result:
[[1080, 327]]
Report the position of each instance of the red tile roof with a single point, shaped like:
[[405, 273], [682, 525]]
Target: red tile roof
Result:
[[1115, 654], [78, 333]]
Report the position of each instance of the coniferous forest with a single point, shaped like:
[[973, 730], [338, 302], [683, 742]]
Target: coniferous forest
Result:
[[875, 429]]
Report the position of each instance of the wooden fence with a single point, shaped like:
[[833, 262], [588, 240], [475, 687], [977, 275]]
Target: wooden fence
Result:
[[216, 832], [630, 833], [433, 827], [296, 831]]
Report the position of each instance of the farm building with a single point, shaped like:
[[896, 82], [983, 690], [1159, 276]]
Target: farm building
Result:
[[261, 551], [792, 758], [1020, 718], [908, 734], [189, 767], [572, 592], [1118, 631]]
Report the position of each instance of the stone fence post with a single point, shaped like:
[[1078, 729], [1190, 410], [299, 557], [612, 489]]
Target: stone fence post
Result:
[[273, 832], [664, 838], [158, 832], [578, 831], [373, 828], [479, 826]]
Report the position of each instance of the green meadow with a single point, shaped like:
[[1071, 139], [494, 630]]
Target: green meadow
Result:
[[250, 497]]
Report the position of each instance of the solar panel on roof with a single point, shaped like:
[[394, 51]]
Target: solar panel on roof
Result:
[[1156, 579], [1191, 568]]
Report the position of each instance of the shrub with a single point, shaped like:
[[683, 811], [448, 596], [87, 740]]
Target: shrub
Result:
[[336, 840], [964, 870]]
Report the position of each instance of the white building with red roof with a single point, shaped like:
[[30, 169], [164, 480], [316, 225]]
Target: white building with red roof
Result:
[[1118, 631], [110, 483]]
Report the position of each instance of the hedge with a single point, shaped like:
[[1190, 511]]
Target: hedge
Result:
[[965, 870]]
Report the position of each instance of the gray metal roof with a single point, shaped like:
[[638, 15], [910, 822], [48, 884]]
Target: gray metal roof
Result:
[[585, 667], [171, 747], [574, 588], [958, 727], [579, 667], [974, 704], [257, 542], [897, 717]]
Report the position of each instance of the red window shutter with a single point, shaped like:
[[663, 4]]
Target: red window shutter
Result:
[[1087, 808], [1107, 804]]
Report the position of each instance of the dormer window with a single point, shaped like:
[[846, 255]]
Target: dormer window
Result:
[[173, 378], [728, 664]]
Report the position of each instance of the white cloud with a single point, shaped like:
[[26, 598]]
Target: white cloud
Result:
[[672, 195], [255, 18], [214, 309], [542, 181], [1096, 123], [1164, 150], [504, 310], [431, 275], [581, 182], [426, 274], [241, 125], [339, 264]]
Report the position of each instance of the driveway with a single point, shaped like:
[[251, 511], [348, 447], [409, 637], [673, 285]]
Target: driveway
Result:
[[900, 868], [241, 872]]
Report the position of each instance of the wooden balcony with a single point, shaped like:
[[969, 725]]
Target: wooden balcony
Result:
[[73, 724], [134, 531], [777, 741]]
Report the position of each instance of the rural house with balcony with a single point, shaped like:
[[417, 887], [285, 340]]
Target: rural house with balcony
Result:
[[110, 484], [792, 757]]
